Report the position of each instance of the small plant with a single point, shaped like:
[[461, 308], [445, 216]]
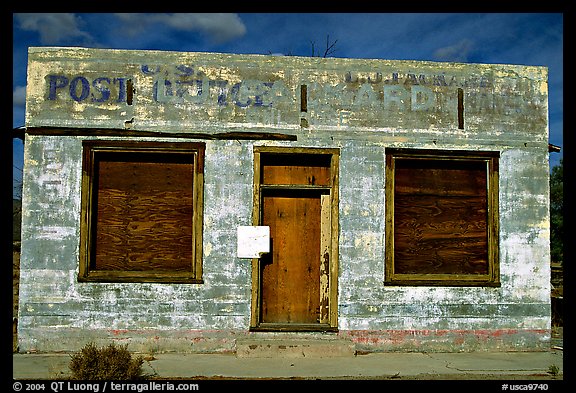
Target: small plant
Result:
[[106, 363], [553, 370]]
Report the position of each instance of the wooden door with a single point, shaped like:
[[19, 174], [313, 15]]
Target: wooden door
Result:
[[291, 271], [296, 280]]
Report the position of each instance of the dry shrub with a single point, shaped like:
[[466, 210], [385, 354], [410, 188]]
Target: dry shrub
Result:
[[106, 363]]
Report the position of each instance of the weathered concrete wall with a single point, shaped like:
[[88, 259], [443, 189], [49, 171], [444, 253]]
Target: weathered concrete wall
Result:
[[176, 91], [15, 293], [359, 106]]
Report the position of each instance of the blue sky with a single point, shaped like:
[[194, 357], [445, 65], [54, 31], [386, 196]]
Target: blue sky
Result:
[[503, 38]]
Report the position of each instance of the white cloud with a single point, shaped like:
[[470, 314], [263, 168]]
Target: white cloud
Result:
[[19, 96], [457, 52], [53, 28], [219, 27]]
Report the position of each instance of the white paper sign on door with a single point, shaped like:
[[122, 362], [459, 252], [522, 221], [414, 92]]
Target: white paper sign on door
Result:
[[253, 241]]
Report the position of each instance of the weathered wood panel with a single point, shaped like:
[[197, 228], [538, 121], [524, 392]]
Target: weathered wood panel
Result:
[[291, 271], [325, 253], [144, 215], [440, 217], [307, 169]]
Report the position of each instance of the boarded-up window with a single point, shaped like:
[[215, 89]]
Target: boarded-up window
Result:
[[142, 211], [442, 217]]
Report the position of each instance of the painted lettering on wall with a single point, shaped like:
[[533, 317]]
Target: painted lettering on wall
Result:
[[192, 85], [411, 79], [187, 84], [398, 91], [82, 89]]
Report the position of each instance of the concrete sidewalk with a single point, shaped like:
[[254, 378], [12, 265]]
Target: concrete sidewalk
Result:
[[447, 366]]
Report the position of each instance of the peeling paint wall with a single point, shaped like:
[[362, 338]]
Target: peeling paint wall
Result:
[[359, 106]]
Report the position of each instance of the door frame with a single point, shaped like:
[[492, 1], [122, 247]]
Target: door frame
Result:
[[331, 323]]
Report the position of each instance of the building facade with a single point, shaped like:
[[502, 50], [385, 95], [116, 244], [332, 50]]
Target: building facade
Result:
[[189, 201]]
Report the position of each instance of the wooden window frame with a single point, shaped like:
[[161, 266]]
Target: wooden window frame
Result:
[[91, 151], [492, 278]]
